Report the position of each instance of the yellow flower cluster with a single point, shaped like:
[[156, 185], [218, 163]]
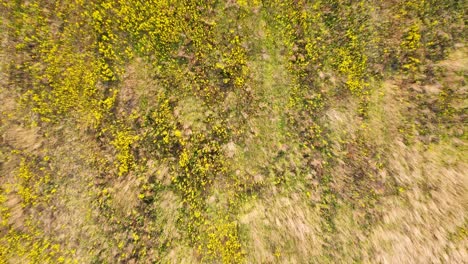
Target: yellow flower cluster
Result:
[[123, 141], [223, 241], [30, 245], [233, 65], [409, 45], [162, 134], [200, 162], [34, 187]]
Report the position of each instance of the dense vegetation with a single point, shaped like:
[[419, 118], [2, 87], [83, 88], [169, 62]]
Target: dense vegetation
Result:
[[248, 131]]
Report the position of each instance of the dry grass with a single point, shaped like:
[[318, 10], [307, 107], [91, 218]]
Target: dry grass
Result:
[[417, 226], [420, 223], [424, 221], [281, 229]]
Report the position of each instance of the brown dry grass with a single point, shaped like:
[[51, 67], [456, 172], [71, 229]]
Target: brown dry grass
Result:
[[423, 222]]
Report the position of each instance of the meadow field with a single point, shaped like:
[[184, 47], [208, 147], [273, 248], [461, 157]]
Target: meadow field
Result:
[[235, 131]]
